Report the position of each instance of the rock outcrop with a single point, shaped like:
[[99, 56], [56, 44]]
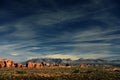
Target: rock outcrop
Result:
[[18, 65], [2, 63], [33, 65], [6, 63], [29, 64]]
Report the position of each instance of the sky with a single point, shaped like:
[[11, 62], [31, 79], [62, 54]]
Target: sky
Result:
[[88, 29]]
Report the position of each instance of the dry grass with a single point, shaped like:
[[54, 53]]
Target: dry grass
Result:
[[58, 73]]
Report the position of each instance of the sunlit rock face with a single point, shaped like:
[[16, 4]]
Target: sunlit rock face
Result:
[[33, 65], [6, 63], [18, 65]]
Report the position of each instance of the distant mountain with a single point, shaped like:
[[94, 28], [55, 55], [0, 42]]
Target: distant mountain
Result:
[[112, 58], [50, 60], [75, 62], [90, 61]]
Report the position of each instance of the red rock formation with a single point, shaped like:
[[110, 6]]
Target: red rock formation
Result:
[[6, 63], [30, 65], [116, 69], [37, 65], [2, 64], [83, 66], [54, 64], [47, 64], [9, 63], [33, 65], [17, 65]]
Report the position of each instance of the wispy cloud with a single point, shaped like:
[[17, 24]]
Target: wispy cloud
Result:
[[73, 31], [14, 54]]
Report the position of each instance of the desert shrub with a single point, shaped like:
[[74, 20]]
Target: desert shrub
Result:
[[21, 72], [3, 78], [59, 74]]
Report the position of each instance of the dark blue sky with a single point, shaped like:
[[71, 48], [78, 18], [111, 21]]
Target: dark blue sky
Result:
[[59, 29]]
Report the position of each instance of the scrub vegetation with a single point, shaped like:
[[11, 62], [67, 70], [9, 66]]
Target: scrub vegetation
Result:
[[60, 73]]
